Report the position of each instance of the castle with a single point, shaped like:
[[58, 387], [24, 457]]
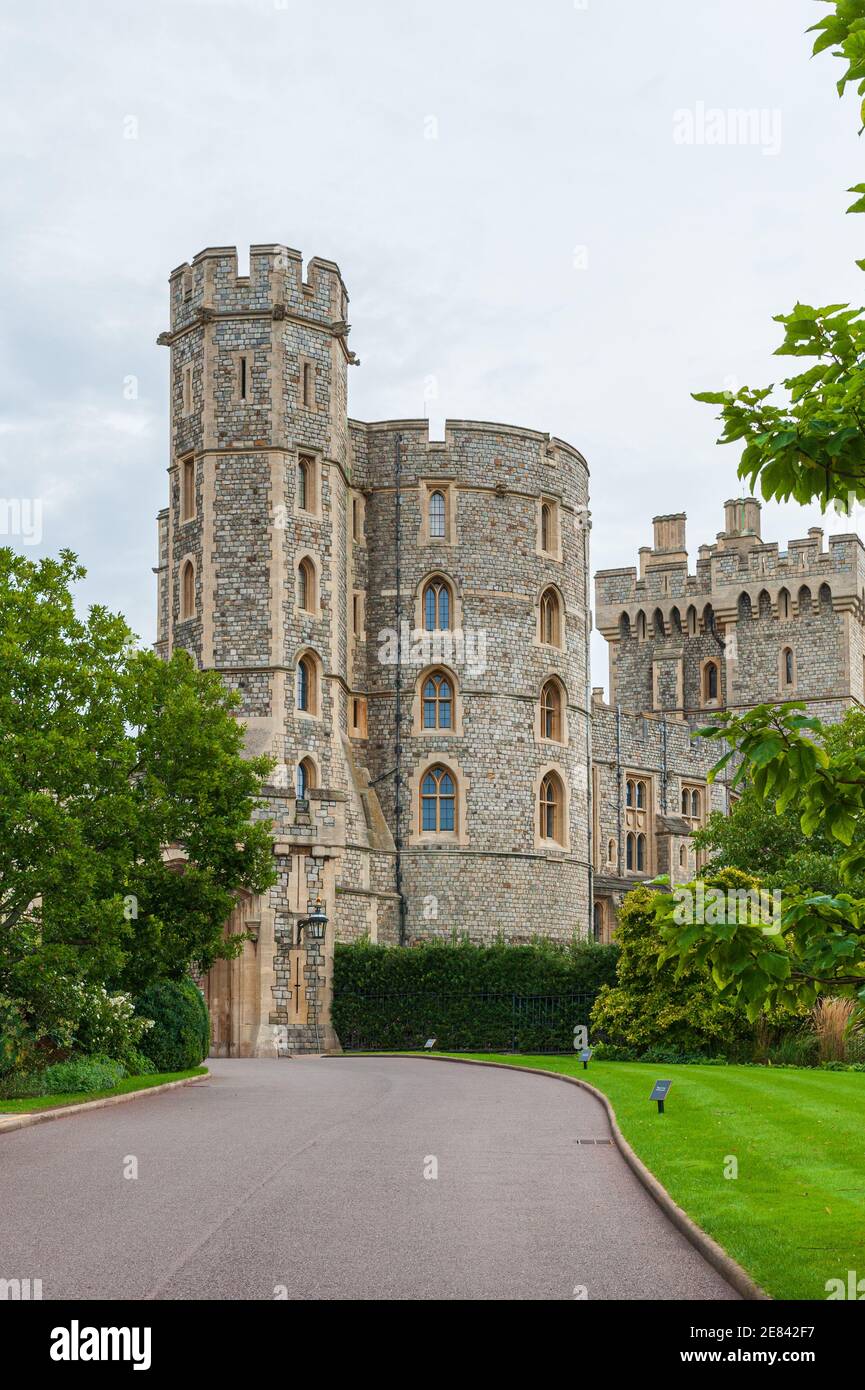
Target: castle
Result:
[[406, 623]]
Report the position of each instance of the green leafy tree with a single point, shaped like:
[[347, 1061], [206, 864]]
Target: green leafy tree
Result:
[[109, 755], [755, 838], [807, 442], [654, 1004], [817, 944]]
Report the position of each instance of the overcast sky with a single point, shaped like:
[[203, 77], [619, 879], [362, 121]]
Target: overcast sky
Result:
[[510, 194]]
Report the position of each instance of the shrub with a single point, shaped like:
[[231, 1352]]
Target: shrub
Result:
[[82, 1074], [108, 1025], [470, 998], [79, 1074], [137, 1064], [180, 1036], [659, 1007]]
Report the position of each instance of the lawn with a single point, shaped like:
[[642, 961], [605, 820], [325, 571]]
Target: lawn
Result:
[[130, 1083], [795, 1215]]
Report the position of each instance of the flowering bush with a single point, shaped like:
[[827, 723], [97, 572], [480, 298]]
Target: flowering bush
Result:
[[108, 1024]]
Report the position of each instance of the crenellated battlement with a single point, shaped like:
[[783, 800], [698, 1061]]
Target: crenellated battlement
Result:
[[738, 563], [210, 287]]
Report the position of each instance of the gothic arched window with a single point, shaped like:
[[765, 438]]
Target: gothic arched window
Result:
[[306, 586], [438, 801], [551, 618], [551, 711], [551, 805], [438, 697], [187, 591], [437, 605], [305, 778]]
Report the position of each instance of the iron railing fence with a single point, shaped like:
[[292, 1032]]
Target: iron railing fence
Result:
[[500, 1022]]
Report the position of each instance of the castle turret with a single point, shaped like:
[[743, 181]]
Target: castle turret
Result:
[[406, 624]]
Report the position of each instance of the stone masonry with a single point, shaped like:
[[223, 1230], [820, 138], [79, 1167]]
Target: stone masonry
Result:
[[302, 554], [753, 624]]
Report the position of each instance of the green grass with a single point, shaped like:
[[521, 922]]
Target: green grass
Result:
[[130, 1083], [795, 1216]]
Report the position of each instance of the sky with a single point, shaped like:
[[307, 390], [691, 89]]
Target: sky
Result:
[[539, 214]]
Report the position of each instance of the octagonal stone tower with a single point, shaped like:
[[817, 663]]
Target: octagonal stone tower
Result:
[[406, 623]]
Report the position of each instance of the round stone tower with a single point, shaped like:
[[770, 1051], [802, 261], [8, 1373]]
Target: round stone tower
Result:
[[475, 668]]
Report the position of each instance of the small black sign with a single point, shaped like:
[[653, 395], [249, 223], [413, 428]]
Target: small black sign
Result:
[[660, 1090]]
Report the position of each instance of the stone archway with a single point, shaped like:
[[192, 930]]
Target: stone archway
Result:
[[232, 988]]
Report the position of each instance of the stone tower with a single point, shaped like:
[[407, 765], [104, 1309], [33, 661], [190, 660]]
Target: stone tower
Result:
[[754, 623], [406, 624]]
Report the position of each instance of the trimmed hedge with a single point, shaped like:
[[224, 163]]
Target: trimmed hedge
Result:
[[470, 998], [180, 1037]]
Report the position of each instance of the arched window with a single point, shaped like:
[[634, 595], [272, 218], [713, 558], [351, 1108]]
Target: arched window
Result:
[[708, 618], [630, 793], [695, 805], [744, 606], [546, 528], [686, 802], [551, 711], [658, 627], [437, 605], [641, 854], [825, 597], [551, 807], [641, 796], [187, 591], [783, 604], [438, 801], [683, 856], [611, 852], [624, 626], [692, 622], [305, 484], [764, 604], [641, 626], [305, 777], [710, 681], [438, 701], [787, 666], [551, 618], [676, 622], [306, 586], [804, 599], [437, 515], [629, 853], [597, 922], [307, 693]]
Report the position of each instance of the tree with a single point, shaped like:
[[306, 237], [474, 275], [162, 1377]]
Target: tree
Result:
[[810, 445], [108, 756], [654, 1005], [759, 841], [816, 944]]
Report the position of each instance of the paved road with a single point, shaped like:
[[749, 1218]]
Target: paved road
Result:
[[309, 1174]]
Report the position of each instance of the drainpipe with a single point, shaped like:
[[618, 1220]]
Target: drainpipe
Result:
[[398, 691], [620, 865], [590, 800]]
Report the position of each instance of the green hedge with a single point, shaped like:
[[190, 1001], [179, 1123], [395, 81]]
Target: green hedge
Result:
[[180, 1036], [470, 998]]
